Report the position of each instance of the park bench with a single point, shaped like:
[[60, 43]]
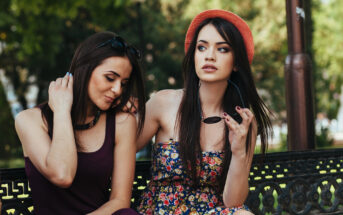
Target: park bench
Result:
[[298, 182]]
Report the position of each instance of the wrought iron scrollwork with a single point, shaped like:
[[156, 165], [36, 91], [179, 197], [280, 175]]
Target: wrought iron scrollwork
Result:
[[304, 183], [16, 197], [286, 183]]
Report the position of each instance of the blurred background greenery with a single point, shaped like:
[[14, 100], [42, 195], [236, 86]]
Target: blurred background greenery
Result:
[[38, 38]]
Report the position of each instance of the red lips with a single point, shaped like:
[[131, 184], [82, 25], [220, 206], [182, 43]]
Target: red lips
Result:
[[209, 68]]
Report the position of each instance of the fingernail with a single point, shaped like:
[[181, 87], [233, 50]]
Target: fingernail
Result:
[[225, 114], [71, 75], [67, 73], [238, 108]]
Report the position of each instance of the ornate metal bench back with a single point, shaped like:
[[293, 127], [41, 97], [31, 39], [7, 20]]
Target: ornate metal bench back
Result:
[[15, 193], [298, 183]]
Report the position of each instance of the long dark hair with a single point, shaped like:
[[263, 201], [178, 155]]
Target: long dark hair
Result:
[[86, 58], [188, 118]]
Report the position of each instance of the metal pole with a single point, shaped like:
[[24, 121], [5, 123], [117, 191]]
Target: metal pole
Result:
[[298, 75]]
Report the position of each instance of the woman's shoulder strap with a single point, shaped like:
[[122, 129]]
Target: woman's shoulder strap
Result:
[[110, 124]]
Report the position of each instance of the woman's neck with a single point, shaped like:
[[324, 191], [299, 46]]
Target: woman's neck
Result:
[[211, 97], [91, 112]]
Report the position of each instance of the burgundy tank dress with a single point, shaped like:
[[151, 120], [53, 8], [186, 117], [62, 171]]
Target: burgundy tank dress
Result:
[[90, 188]]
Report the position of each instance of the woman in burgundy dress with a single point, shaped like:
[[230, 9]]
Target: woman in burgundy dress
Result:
[[79, 147]]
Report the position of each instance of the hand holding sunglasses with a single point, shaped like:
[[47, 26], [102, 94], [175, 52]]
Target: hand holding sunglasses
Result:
[[215, 119]]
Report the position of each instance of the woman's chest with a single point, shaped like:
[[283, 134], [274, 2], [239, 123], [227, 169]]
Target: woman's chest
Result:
[[92, 139]]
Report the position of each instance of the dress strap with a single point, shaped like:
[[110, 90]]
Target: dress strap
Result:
[[110, 126]]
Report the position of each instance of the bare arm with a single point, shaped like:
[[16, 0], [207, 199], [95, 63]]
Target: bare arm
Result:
[[236, 187], [124, 165], [152, 123], [56, 159]]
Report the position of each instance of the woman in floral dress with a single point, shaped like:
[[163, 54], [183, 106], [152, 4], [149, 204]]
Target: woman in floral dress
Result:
[[206, 133]]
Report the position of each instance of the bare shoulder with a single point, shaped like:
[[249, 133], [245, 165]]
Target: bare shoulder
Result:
[[125, 121], [126, 128], [167, 97], [28, 117], [124, 116], [30, 127]]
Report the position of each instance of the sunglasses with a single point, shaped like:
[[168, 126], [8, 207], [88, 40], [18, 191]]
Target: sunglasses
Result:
[[215, 119], [119, 44]]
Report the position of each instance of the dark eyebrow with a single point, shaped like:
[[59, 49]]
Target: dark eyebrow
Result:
[[218, 43], [116, 74]]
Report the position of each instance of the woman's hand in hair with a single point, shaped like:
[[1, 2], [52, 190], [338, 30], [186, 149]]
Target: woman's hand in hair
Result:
[[238, 131], [61, 94]]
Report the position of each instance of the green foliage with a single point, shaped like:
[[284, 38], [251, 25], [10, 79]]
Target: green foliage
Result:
[[12, 163], [9, 143], [283, 142], [323, 138], [163, 44], [327, 45], [39, 37], [46, 34]]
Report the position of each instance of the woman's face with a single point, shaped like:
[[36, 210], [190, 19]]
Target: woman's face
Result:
[[213, 57], [108, 80]]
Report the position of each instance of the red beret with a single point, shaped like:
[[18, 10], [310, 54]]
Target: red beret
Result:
[[237, 21]]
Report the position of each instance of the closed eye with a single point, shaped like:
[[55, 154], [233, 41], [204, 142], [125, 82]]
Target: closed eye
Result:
[[109, 78]]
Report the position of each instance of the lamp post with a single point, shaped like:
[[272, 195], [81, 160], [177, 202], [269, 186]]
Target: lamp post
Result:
[[298, 75]]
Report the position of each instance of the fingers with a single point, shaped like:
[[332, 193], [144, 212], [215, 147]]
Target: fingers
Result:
[[58, 81], [246, 115], [131, 105], [65, 80], [230, 122], [71, 81], [52, 84], [134, 104]]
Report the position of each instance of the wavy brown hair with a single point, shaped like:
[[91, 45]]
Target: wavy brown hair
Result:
[[86, 58]]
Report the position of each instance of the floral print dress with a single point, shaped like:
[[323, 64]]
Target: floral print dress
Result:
[[169, 192]]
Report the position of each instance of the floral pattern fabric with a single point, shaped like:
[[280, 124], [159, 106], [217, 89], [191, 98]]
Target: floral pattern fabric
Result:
[[169, 190]]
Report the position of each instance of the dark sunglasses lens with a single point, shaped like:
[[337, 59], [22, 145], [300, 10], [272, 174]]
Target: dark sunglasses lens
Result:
[[135, 52], [212, 120], [117, 44]]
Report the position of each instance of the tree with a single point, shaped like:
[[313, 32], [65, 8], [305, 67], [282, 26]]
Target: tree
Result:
[[40, 36], [327, 45], [9, 144]]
